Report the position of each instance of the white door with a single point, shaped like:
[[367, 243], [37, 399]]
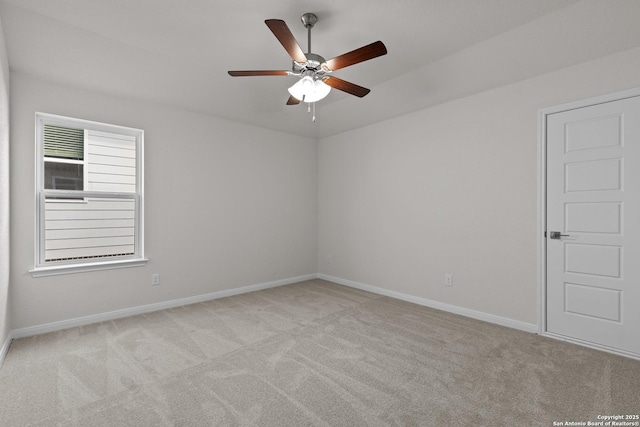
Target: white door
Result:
[[593, 200]]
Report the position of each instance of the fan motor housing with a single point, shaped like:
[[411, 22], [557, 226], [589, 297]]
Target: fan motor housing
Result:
[[313, 64]]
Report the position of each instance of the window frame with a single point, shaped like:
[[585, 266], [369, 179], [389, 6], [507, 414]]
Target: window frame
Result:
[[47, 268]]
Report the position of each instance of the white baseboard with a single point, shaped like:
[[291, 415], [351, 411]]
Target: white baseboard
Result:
[[580, 342], [5, 348], [111, 315], [86, 320], [117, 314], [491, 318]]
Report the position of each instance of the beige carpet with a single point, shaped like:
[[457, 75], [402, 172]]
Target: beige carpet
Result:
[[313, 353]]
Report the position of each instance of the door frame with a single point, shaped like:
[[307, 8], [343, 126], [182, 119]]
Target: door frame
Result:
[[542, 212]]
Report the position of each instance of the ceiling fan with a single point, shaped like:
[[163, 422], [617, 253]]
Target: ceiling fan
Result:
[[312, 70]]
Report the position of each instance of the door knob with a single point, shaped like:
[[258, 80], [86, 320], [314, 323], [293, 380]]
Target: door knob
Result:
[[556, 235]]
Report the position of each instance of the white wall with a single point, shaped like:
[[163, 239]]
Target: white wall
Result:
[[5, 323], [397, 204], [226, 205], [450, 189]]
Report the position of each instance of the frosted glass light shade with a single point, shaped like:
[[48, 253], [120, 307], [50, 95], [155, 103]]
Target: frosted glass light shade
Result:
[[308, 90]]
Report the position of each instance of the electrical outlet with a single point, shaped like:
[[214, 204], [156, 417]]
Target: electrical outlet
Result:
[[329, 259], [155, 279], [448, 279]]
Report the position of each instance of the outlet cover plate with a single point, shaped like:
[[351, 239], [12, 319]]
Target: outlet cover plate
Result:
[[448, 279]]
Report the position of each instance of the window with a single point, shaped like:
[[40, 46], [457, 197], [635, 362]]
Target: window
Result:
[[88, 196]]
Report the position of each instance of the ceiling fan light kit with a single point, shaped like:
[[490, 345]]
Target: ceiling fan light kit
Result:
[[312, 70], [309, 90]]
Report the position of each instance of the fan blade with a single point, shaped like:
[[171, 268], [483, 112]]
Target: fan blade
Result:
[[346, 86], [258, 73], [293, 100], [364, 53], [279, 29]]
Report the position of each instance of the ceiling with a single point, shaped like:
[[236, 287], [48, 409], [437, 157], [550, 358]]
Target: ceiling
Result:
[[178, 52]]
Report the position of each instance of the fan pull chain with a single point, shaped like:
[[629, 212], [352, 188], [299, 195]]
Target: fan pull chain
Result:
[[313, 116]]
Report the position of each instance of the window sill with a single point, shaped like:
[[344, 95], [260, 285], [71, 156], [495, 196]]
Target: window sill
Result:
[[81, 268]]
